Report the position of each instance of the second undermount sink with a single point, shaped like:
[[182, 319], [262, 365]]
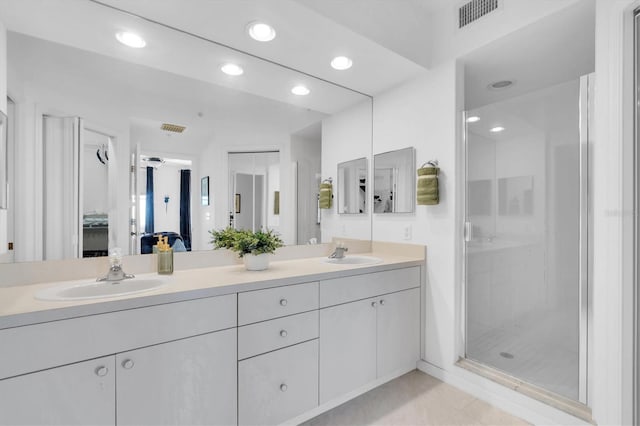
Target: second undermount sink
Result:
[[354, 260], [78, 290]]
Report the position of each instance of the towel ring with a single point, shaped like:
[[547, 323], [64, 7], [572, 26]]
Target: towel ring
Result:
[[432, 163]]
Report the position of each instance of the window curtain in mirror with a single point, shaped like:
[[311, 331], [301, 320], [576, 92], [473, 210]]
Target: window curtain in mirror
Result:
[[149, 215], [185, 207], [61, 183]]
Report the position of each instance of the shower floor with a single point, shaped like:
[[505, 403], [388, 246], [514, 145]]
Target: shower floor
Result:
[[542, 352]]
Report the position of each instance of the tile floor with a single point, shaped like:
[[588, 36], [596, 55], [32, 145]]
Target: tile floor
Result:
[[415, 399]]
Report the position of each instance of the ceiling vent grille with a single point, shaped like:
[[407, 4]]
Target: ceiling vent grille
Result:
[[172, 128], [474, 10]]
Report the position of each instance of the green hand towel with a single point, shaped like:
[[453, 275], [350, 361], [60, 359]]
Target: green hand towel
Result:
[[326, 193], [427, 193]]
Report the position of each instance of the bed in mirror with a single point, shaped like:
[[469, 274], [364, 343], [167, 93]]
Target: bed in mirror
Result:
[[116, 140], [394, 184]]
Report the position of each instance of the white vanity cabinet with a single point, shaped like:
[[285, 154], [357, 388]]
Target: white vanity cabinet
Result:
[[368, 339], [278, 353], [77, 394], [174, 363], [186, 382]]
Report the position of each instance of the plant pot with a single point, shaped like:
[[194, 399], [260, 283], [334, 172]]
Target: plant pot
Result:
[[256, 262]]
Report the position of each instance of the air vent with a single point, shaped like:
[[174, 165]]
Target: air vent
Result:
[[172, 128], [474, 10]]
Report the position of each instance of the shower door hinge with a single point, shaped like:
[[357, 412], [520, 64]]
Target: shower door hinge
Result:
[[467, 232], [10, 245], [133, 169]]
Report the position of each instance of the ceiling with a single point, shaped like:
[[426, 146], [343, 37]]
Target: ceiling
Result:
[[553, 50], [308, 35]]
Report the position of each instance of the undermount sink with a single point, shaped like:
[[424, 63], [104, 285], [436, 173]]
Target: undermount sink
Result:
[[354, 260], [98, 289]]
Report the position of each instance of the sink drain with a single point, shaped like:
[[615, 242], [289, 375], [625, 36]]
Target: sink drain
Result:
[[506, 355]]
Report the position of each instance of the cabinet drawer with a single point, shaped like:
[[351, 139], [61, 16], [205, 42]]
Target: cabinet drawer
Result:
[[266, 336], [261, 305], [348, 289], [278, 386], [46, 345]]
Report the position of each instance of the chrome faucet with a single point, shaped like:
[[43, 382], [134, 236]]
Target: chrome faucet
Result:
[[339, 252], [115, 269]]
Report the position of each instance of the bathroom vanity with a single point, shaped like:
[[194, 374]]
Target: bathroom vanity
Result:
[[216, 346]]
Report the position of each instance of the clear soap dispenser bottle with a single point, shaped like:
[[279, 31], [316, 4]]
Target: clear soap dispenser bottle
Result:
[[165, 256]]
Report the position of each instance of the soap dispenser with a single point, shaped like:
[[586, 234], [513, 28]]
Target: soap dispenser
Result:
[[165, 256]]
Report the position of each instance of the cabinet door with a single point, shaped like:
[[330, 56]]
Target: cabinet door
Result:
[[398, 331], [278, 386], [347, 348], [75, 394], [185, 382]]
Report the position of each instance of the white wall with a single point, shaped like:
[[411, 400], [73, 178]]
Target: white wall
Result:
[[346, 136], [3, 108], [422, 114], [613, 212]]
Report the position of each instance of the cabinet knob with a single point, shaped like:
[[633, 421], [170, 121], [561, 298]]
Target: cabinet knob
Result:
[[127, 364], [374, 304], [283, 302], [283, 387], [102, 371], [283, 333], [381, 302]]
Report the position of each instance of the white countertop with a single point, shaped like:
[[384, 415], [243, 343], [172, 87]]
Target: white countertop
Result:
[[19, 307]]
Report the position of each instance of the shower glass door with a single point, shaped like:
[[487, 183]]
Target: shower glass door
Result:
[[526, 237]]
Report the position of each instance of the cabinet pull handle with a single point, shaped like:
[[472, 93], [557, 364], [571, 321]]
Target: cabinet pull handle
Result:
[[374, 304], [127, 364], [381, 302], [102, 371], [283, 387], [283, 302], [283, 333]]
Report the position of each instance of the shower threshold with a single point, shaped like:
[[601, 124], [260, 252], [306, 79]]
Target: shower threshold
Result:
[[552, 399]]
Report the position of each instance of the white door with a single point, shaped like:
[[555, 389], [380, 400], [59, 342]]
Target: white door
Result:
[[76, 394], [398, 332], [347, 348], [186, 382]]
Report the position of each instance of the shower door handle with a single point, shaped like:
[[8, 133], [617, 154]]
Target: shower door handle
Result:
[[467, 232]]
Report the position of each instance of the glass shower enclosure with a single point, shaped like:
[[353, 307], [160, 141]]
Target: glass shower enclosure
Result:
[[526, 237]]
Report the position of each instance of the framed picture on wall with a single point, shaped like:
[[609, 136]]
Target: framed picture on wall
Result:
[[237, 203], [204, 190]]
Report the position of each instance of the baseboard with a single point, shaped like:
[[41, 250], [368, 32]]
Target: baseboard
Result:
[[347, 397], [506, 399]]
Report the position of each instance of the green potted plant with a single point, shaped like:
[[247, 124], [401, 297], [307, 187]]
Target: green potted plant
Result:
[[253, 247]]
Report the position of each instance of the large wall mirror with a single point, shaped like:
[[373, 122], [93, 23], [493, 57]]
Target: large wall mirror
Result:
[[113, 142], [394, 183]]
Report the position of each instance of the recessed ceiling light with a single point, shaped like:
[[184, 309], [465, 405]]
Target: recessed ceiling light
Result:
[[131, 39], [341, 63], [473, 119], [497, 129], [260, 31], [300, 90], [500, 85], [232, 69]]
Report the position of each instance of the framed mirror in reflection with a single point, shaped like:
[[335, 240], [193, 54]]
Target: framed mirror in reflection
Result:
[[394, 184], [118, 139], [352, 187]]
